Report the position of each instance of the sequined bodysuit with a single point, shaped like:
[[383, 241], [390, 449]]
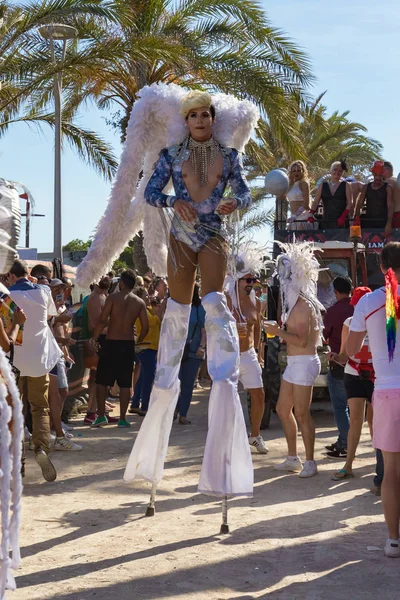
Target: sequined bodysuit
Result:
[[209, 223]]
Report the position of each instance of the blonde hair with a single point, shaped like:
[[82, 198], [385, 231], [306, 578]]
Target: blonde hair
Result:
[[338, 163], [301, 164], [194, 99]]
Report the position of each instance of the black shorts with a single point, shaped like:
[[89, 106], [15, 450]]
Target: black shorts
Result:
[[116, 361], [358, 387]]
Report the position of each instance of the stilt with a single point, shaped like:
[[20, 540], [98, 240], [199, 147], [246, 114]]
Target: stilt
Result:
[[224, 526], [151, 509]]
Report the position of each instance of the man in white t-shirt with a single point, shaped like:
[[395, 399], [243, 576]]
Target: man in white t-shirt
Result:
[[35, 358], [370, 318]]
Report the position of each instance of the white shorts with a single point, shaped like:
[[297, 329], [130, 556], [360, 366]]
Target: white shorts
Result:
[[250, 373], [302, 370]]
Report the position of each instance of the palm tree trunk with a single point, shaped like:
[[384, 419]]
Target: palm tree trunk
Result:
[[139, 255]]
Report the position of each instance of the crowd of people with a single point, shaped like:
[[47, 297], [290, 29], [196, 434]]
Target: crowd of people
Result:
[[145, 338], [340, 200], [121, 322]]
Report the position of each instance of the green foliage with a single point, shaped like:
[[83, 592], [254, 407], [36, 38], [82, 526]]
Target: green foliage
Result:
[[77, 245], [124, 261], [27, 72]]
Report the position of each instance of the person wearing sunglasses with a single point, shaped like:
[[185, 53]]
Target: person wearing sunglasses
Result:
[[246, 309]]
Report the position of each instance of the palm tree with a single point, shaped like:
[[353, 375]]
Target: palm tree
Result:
[[219, 45], [224, 45], [27, 73]]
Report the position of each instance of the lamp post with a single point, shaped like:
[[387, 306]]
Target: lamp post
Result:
[[53, 33]]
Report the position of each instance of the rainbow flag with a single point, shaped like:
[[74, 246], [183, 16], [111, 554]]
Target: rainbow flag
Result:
[[392, 311]]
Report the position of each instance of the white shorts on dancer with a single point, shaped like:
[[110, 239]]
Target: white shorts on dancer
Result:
[[250, 373], [302, 370]]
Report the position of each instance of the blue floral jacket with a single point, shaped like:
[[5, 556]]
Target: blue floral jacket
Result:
[[209, 223]]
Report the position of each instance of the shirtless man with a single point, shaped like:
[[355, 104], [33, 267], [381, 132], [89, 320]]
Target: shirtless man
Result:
[[303, 367], [391, 180], [117, 352], [91, 312], [248, 317]]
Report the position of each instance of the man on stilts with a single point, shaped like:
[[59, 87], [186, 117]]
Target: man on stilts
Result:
[[201, 169], [195, 220]]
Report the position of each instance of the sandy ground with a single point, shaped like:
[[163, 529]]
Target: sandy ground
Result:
[[85, 537]]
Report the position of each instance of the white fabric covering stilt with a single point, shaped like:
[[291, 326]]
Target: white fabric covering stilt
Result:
[[227, 466], [10, 481], [147, 458]]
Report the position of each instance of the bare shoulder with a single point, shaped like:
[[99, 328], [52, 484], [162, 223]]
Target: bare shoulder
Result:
[[136, 300], [304, 185], [302, 307], [93, 300]]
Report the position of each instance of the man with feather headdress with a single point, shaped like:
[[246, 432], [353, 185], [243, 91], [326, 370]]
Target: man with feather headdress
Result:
[[297, 269]]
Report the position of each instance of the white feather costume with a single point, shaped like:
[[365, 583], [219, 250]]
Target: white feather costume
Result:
[[297, 269], [155, 123], [227, 466]]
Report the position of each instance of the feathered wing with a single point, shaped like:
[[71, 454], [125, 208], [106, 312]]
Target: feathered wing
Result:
[[10, 224], [154, 124]]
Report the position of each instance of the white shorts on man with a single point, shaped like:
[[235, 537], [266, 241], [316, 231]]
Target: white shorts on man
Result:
[[250, 373], [302, 370]]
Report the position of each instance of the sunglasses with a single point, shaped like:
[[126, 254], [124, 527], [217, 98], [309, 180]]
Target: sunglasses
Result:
[[249, 280]]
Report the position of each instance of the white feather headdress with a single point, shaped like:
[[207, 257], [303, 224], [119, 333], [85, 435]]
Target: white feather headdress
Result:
[[155, 123], [247, 259], [297, 269]]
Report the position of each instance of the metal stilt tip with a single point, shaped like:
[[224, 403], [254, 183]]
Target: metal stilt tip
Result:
[[224, 529], [150, 512]]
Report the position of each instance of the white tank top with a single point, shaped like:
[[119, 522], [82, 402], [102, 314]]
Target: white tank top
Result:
[[295, 194]]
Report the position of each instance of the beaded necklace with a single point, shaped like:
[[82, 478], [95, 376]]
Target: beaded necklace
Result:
[[203, 155]]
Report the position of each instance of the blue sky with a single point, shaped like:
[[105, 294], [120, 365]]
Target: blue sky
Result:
[[355, 54]]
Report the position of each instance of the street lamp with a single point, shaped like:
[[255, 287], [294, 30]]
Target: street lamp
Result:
[[63, 33]]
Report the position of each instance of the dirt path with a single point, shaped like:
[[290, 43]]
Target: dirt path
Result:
[[84, 537]]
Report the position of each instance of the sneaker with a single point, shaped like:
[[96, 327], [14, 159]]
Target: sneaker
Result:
[[339, 453], [309, 469], [48, 470], [68, 434], [292, 465], [331, 447], [63, 443], [133, 410], [112, 419], [392, 548], [31, 445], [376, 490], [100, 421], [66, 427], [123, 423], [258, 443], [89, 418]]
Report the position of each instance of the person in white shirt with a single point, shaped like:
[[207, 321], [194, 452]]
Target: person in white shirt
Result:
[[370, 319], [35, 358]]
